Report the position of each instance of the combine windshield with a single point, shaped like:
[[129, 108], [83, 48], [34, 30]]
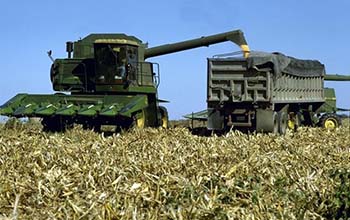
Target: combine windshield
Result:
[[110, 63]]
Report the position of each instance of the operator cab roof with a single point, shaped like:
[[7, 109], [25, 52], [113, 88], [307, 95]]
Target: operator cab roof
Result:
[[112, 38]]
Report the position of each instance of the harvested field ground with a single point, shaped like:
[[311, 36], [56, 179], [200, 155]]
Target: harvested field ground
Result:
[[171, 174]]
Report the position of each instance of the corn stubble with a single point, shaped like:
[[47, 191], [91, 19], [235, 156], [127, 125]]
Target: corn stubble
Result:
[[171, 174]]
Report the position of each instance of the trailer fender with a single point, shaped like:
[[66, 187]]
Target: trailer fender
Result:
[[266, 121], [215, 119]]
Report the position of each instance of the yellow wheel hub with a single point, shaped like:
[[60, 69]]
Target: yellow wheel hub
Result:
[[330, 123], [141, 120], [164, 121], [291, 124]]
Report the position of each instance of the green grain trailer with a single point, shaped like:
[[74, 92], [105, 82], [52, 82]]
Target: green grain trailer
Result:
[[268, 93]]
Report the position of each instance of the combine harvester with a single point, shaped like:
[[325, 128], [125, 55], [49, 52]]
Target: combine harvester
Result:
[[106, 81], [268, 93]]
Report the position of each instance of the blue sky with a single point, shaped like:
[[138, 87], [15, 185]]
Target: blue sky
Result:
[[303, 29]]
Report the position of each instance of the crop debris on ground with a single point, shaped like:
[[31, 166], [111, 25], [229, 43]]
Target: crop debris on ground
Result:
[[172, 174]]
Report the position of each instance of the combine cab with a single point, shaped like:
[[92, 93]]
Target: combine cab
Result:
[[106, 81]]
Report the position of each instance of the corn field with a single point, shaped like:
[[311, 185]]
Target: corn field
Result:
[[172, 174]]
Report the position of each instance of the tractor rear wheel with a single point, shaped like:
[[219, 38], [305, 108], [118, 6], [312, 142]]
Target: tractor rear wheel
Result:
[[329, 121]]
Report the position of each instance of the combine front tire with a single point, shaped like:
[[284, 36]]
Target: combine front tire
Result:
[[56, 124], [329, 121], [140, 120], [92, 126]]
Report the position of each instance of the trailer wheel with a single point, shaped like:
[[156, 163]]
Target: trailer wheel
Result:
[[266, 121], [282, 122], [329, 121], [275, 119], [294, 121]]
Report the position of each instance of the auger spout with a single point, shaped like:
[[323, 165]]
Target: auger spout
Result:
[[235, 36]]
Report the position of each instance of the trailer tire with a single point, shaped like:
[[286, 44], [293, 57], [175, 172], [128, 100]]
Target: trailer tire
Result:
[[282, 122], [294, 121], [266, 121], [275, 118]]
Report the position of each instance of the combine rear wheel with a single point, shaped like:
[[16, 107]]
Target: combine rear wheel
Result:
[[329, 121], [164, 117]]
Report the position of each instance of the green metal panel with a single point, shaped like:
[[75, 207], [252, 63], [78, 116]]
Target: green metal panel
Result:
[[84, 48], [120, 89], [90, 110], [134, 104], [71, 105], [201, 115], [46, 110], [330, 104], [27, 109], [9, 107], [67, 110], [336, 77]]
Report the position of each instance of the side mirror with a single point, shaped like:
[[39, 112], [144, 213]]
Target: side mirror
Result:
[[49, 53]]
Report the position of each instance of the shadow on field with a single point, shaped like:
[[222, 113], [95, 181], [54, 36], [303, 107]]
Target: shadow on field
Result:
[[201, 131]]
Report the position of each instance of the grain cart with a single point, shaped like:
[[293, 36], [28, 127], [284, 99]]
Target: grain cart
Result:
[[268, 92], [106, 80]]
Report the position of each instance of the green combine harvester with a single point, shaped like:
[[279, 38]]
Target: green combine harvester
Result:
[[106, 80]]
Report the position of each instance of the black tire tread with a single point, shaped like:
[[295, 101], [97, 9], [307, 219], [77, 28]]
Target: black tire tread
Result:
[[327, 116]]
